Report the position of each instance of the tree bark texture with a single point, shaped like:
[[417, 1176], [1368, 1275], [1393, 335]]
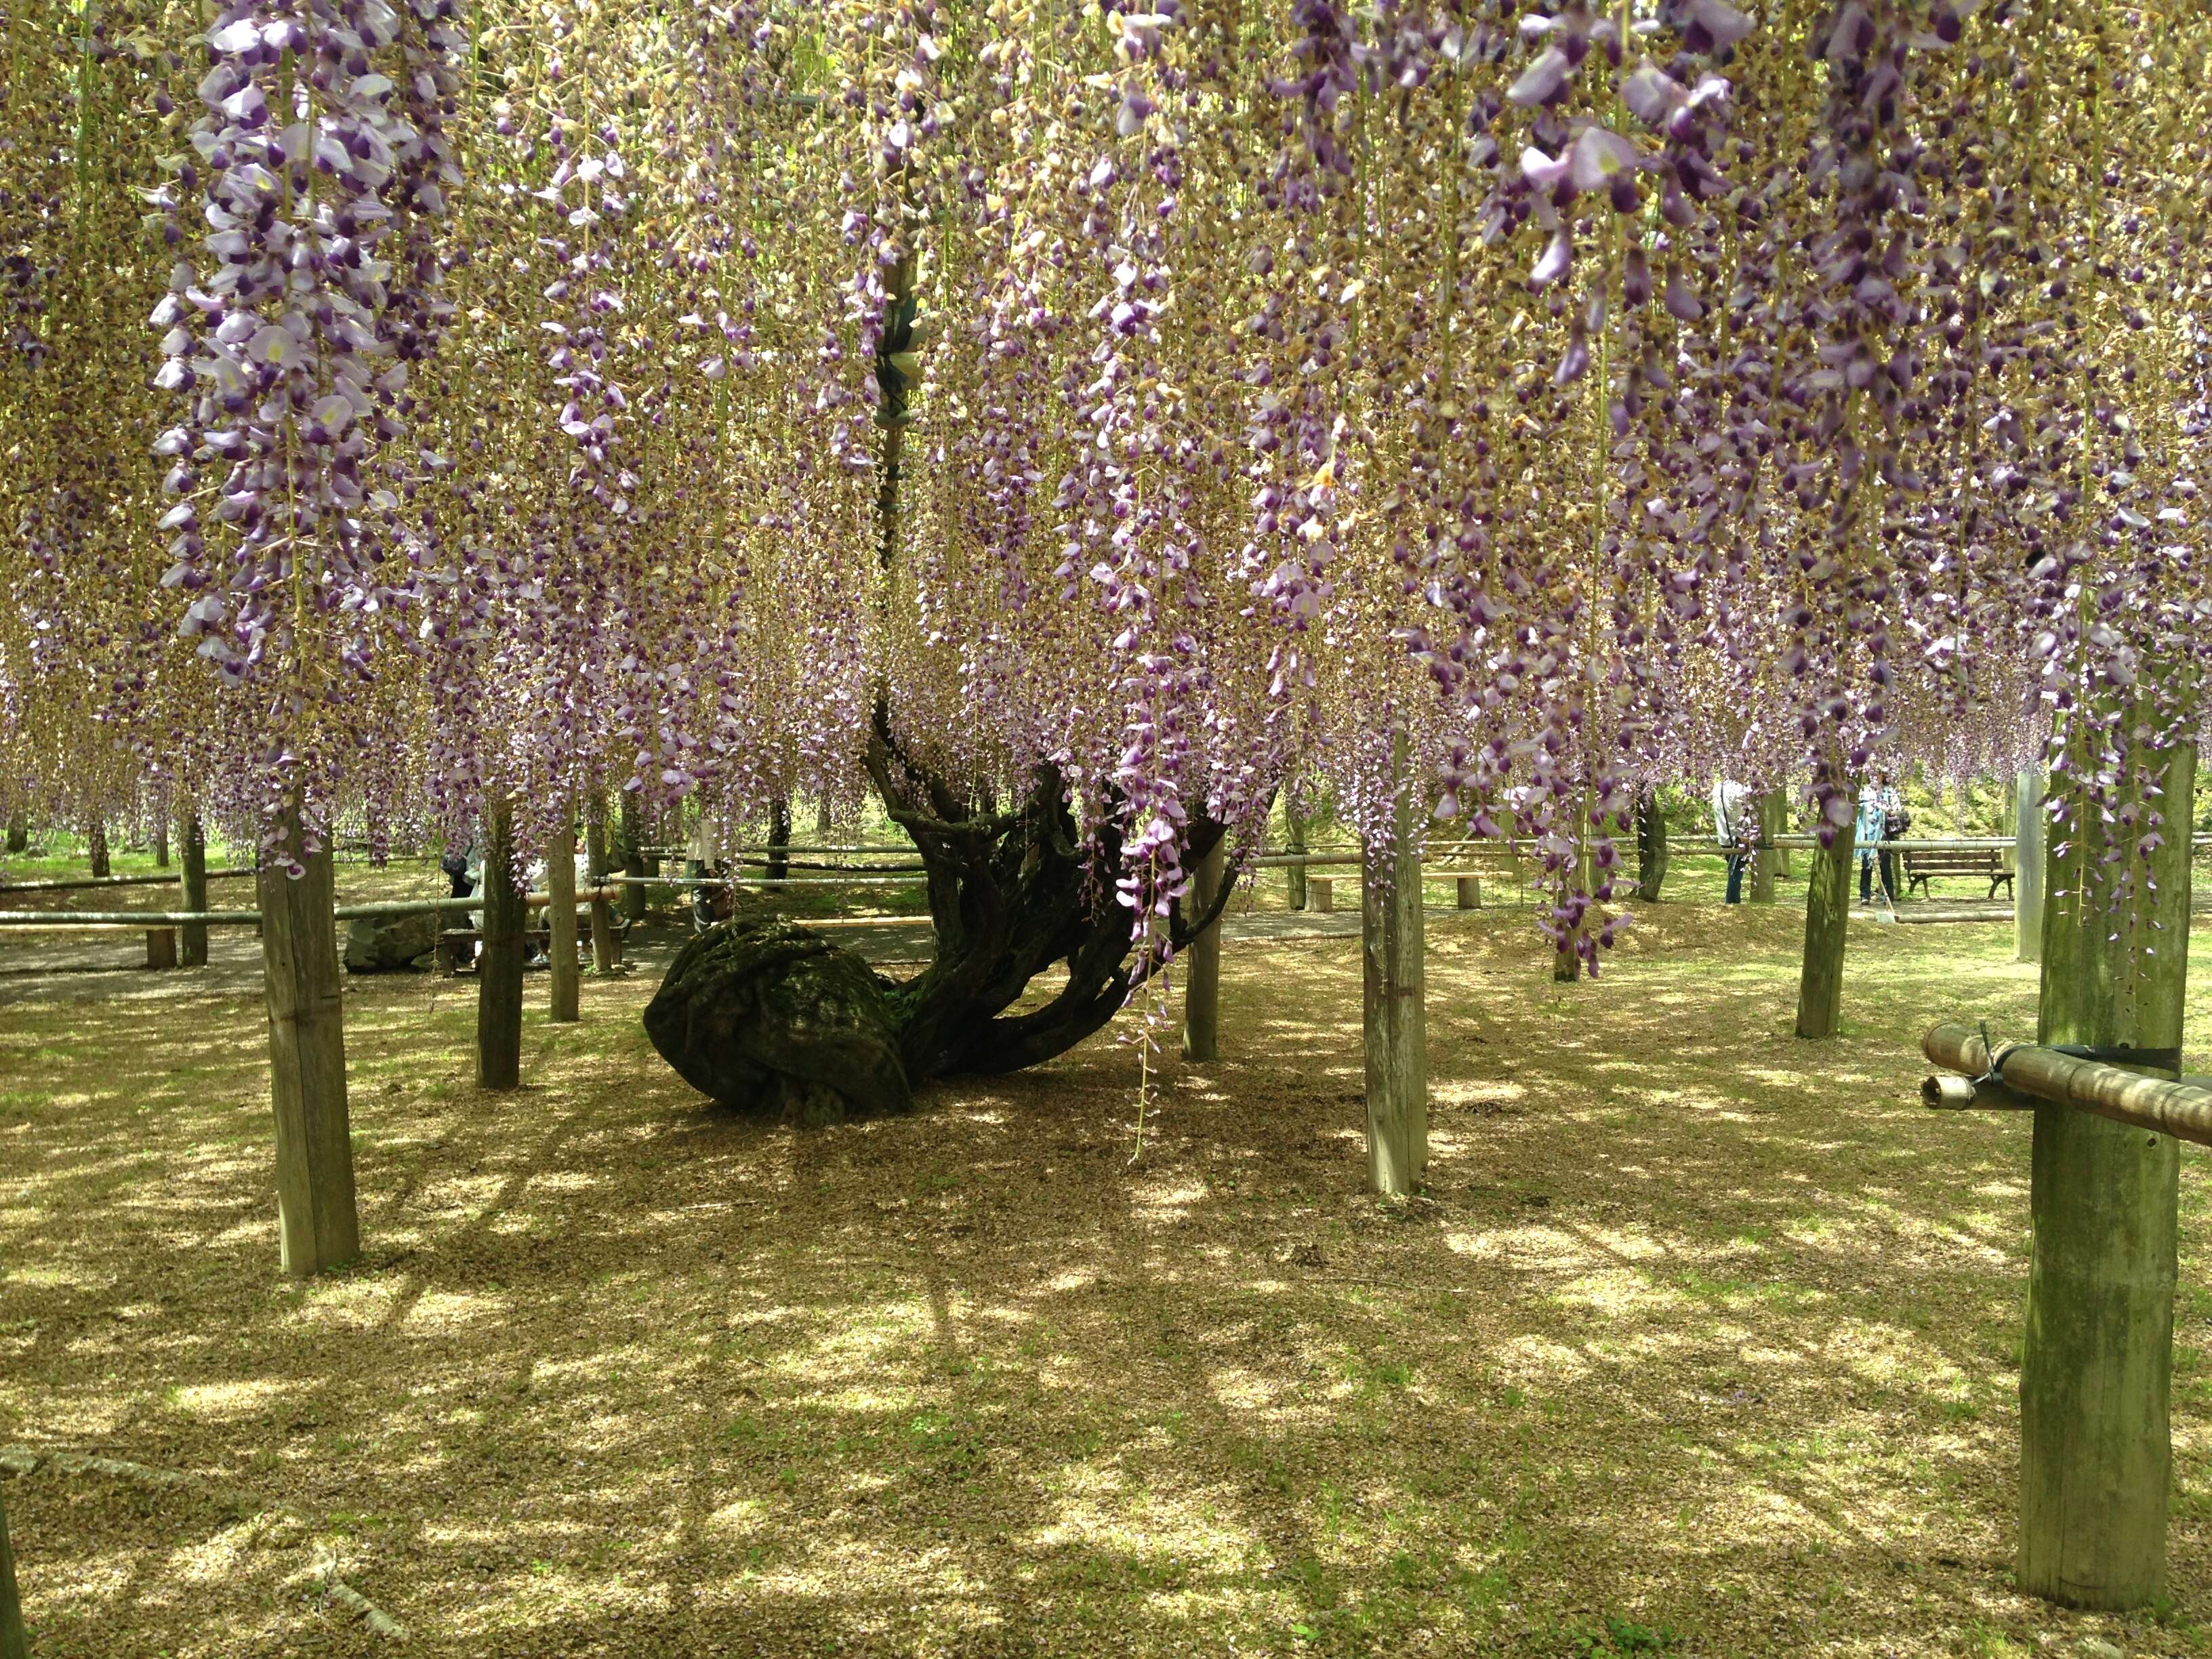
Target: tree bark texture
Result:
[[96, 839], [499, 969], [13, 1643], [19, 835], [1201, 974], [1393, 1004], [633, 852], [2028, 872], [1294, 841], [1650, 847], [1766, 860], [160, 844], [192, 857], [316, 1225], [560, 922], [1012, 891], [595, 866], [778, 867], [1827, 925], [2096, 1451]]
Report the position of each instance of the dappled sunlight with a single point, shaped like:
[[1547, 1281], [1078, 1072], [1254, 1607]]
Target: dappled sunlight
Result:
[[1692, 1321]]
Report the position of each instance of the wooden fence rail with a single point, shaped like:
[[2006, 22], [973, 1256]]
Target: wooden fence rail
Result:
[[66, 919]]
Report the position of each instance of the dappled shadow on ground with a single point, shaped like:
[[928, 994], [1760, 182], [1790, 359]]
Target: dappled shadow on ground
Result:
[[1697, 1328]]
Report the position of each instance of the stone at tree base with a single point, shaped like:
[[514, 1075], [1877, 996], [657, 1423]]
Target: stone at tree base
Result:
[[384, 944], [764, 1015]]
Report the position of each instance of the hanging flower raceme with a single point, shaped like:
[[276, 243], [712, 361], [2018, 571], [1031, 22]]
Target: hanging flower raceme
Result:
[[280, 335]]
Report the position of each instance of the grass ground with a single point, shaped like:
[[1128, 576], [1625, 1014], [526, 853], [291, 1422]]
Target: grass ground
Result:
[[1702, 1341]]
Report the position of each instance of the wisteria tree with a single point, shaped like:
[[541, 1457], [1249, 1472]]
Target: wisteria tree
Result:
[[1080, 423]]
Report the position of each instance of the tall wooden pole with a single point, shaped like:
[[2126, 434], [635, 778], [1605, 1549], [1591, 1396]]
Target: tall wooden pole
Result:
[[14, 1644], [191, 859], [595, 867], [1766, 860], [1393, 1004], [561, 921], [633, 851], [161, 842], [1566, 961], [2096, 1453], [317, 1223], [2027, 859], [1294, 839], [96, 839], [1201, 972], [19, 833], [499, 969], [779, 840], [1651, 846], [1827, 923]]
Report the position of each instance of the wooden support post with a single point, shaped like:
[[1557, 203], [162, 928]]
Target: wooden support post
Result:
[[192, 848], [96, 840], [595, 868], [160, 947], [317, 1223], [499, 969], [778, 867], [1470, 892], [1827, 924], [1201, 972], [561, 921], [1294, 840], [633, 852], [161, 842], [2096, 1451], [1321, 893], [19, 833], [1394, 1005], [2028, 873], [1650, 847], [1567, 962], [1766, 861], [14, 1644]]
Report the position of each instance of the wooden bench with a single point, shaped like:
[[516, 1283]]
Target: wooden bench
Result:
[[1923, 865], [1474, 864]]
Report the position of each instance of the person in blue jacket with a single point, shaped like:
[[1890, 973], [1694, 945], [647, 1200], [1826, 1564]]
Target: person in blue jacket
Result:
[[1866, 832]]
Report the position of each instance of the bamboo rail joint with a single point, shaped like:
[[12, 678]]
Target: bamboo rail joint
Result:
[[2023, 1075]]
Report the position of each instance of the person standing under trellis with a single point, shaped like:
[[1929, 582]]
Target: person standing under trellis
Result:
[[1867, 832], [1896, 823], [1731, 822]]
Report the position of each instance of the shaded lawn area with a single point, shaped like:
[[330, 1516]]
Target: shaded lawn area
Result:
[[1702, 1341]]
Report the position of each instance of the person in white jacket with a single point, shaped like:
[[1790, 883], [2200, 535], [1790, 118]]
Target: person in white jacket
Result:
[[1731, 802]]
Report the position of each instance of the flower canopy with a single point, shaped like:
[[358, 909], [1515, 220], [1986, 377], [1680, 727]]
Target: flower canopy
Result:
[[1188, 400]]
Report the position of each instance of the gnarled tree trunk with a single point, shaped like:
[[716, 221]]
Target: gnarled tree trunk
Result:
[[1013, 894]]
